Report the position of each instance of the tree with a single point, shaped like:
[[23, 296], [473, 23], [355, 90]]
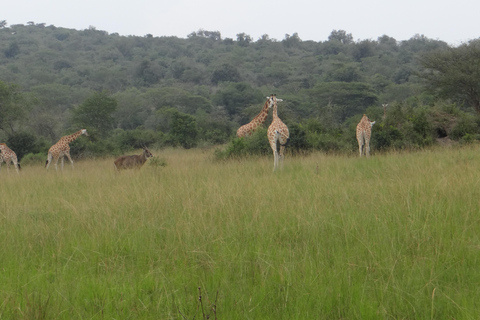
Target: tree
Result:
[[225, 72], [177, 98], [23, 143], [243, 39], [3, 23], [12, 50], [346, 98], [454, 73], [12, 107], [96, 113], [147, 73], [180, 127], [236, 96], [291, 41], [214, 35], [341, 35]]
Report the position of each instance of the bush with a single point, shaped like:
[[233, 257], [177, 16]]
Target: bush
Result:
[[386, 137], [466, 124], [157, 162], [23, 143], [256, 144], [235, 149], [298, 141], [136, 139], [31, 159]]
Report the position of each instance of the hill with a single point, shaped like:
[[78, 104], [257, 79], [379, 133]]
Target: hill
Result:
[[215, 84]]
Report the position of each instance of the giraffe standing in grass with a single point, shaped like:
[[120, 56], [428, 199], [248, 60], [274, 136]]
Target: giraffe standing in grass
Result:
[[61, 149], [7, 155], [248, 129], [364, 132], [277, 135], [384, 105]]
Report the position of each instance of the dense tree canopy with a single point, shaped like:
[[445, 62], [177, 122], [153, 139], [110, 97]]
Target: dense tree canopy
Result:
[[455, 73], [12, 107], [199, 90], [96, 113]]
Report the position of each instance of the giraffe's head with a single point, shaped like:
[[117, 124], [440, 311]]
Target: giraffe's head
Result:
[[84, 131], [273, 100]]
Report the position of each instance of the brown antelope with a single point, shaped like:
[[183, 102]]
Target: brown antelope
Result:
[[135, 161]]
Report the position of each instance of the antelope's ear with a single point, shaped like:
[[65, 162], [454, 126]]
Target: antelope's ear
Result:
[[280, 100]]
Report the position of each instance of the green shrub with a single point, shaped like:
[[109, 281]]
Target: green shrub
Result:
[[157, 162], [34, 159], [125, 140], [256, 144]]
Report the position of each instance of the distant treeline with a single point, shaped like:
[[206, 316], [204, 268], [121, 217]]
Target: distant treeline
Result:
[[169, 91]]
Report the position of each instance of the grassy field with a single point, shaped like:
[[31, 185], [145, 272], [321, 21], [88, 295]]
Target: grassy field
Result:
[[396, 236]]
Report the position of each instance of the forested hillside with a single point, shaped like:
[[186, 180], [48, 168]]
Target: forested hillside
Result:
[[129, 91]]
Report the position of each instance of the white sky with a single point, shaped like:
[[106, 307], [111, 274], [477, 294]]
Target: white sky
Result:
[[451, 21]]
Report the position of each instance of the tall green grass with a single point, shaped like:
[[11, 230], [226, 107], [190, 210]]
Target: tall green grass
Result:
[[395, 236]]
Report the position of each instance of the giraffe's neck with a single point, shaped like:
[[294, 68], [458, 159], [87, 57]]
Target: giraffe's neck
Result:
[[262, 116], [275, 115], [72, 137]]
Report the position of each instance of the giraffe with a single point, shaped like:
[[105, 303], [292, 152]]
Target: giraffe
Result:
[[7, 155], [277, 134], [247, 129], [62, 149], [364, 132], [384, 105]]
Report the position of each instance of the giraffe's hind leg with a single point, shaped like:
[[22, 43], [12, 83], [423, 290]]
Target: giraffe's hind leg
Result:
[[69, 158], [282, 155], [360, 147], [55, 161], [275, 160], [273, 145], [361, 144]]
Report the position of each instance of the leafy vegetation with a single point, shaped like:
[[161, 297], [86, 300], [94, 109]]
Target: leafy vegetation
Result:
[[197, 91]]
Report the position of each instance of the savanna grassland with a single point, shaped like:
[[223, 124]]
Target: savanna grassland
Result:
[[395, 236]]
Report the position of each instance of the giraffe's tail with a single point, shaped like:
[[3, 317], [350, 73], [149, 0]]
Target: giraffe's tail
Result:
[[49, 158]]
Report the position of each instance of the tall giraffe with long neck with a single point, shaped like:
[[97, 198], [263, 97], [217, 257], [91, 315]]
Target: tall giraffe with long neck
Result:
[[61, 149], [364, 132], [248, 129], [277, 135], [8, 155], [384, 105]]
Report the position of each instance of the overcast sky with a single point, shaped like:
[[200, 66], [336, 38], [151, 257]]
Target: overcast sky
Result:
[[451, 21]]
